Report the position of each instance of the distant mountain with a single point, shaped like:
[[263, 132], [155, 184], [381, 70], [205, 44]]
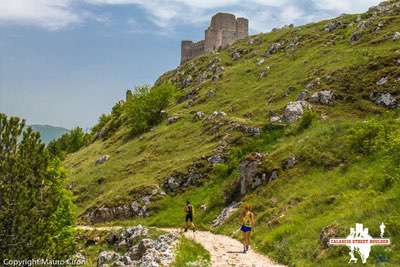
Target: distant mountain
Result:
[[48, 132]]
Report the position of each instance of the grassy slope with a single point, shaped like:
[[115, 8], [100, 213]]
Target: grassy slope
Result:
[[337, 187], [190, 252]]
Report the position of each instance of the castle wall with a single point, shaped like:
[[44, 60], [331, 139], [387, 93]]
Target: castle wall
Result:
[[197, 49], [224, 29], [242, 28]]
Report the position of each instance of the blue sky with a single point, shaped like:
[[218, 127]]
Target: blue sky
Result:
[[65, 62]]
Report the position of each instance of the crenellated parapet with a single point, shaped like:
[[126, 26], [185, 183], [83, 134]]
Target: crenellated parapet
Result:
[[224, 29]]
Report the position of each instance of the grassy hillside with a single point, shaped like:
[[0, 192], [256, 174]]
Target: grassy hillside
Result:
[[48, 132], [347, 153]]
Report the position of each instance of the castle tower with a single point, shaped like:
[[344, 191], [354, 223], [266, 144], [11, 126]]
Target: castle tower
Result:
[[186, 50], [224, 29], [242, 28]]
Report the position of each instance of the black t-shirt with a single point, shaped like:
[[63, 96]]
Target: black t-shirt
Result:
[[189, 209]]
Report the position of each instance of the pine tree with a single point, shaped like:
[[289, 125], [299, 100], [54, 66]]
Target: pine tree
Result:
[[36, 218]]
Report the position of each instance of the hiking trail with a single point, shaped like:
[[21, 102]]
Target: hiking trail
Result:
[[224, 251]]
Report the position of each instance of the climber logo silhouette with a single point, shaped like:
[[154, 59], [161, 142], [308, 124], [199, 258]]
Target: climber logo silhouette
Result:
[[361, 242]]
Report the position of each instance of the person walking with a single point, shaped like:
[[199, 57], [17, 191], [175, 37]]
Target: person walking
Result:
[[189, 211], [248, 222]]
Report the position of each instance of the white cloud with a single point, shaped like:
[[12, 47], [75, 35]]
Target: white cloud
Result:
[[346, 6], [263, 14], [51, 14]]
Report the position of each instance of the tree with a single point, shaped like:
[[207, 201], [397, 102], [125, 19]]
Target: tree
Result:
[[69, 143], [36, 218], [144, 106]]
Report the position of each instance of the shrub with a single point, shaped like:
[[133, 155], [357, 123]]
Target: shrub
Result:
[[143, 108], [306, 121], [69, 143]]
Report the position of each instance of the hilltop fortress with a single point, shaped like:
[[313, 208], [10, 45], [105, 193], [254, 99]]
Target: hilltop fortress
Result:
[[224, 29]]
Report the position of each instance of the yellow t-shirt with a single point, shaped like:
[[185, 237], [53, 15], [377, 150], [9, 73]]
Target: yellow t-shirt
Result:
[[248, 218]]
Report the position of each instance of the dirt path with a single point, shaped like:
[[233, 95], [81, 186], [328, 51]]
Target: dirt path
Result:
[[224, 251]]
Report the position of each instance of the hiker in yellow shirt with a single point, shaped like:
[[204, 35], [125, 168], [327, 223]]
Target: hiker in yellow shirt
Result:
[[248, 222]]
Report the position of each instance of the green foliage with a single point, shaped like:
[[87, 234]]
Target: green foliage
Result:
[[108, 124], [103, 120], [35, 210], [69, 143], [143, 108], [306, 120], [190, 253]]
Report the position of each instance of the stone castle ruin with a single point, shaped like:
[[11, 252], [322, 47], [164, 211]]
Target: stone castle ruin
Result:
[[224, 29]]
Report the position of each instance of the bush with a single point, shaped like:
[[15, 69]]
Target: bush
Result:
[[143, 108], [103, 120], [68, 143], [306, 121]]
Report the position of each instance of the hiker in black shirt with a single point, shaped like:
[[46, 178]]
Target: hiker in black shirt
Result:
[[189, 217]]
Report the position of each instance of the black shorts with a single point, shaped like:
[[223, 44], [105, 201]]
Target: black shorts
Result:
[[189, 218]]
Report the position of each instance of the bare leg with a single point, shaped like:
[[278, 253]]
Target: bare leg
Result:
[[248, 239], [244, 241]]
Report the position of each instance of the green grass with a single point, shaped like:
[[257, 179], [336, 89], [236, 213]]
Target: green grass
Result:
[[345, 174], [189, 252]]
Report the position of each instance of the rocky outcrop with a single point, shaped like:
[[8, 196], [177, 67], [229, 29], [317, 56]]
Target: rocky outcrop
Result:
[[138, 208], [252, 175], [294, 110], [102, 159], [333, 25], [274, 48], [235, 55], [225, 214], [173, 119], [396, 36], [140, 249], [199, 115], [384, 99], [252, 131], [382, 81], [324, 97], [195, 175]]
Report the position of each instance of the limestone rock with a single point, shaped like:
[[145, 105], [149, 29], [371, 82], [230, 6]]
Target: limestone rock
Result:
[[333, 25], [382, 81], [325, 97], [294, 110], [102, 159], [396, 36], [275, 118], [384, 99], [173, 119], [198, 116], [250, 176], [149, 252], [194, 175], [290, 162], [302, 95], [225, 214], [235, 55], [216, 159], [138, 208], [274, 48], [187, 81], [107, 256]]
